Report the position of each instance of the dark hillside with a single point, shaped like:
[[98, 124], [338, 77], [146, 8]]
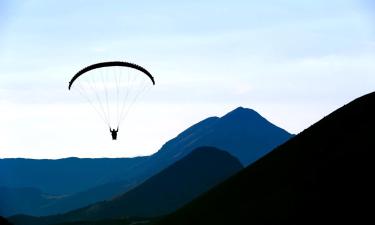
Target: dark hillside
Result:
[[324, 175]]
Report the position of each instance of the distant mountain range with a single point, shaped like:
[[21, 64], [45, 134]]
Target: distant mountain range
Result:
[[243, 133], [324, 175], [25, 181], [161, 194], [64, 176]]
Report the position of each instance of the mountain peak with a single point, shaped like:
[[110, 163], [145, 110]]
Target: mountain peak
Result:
[[247, 119], [241, 112], [240, 108]]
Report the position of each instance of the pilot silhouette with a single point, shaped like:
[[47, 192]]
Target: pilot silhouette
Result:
[[113, 133]]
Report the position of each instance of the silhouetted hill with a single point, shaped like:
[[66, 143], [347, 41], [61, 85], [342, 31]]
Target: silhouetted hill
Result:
[[243, 133], [3, 221], [161, 194], [321, 176]]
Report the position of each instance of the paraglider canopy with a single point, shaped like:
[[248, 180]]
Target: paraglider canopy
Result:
[[112, 88], [110, 64]]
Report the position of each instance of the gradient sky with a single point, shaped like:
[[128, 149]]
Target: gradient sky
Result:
[[292, 61]]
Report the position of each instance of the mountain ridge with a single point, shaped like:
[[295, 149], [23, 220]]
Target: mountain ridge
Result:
[[319, 176]]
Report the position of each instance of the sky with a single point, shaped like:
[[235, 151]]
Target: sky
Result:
[[292, 61]]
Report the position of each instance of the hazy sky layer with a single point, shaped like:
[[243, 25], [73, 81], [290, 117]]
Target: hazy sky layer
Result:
[[293, 61]]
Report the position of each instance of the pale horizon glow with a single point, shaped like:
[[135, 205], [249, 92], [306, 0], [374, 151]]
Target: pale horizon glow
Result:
[[293, 62]]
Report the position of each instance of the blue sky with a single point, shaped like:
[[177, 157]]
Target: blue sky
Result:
[[292, 61]]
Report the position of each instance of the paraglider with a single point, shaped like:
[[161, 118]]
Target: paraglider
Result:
[[112, 88], [113, 133]]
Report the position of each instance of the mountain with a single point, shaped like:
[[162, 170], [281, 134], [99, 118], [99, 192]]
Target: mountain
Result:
[[324, 175], [242, 132], [161, 194]]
